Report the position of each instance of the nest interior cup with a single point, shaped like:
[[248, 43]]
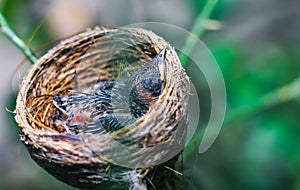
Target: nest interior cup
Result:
[[104, 104]]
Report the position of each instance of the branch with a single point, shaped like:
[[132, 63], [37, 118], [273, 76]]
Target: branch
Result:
[[281, 95], [198, 29], [8, 32]]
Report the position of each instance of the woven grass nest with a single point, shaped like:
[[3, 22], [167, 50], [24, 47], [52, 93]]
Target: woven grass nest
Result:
[[106, 108]]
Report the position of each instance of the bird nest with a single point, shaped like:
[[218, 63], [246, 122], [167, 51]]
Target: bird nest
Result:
[[104, 107]]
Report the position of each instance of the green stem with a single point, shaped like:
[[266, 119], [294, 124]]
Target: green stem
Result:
[[8, 32], [281, 95], [198, 29], [276, 97]]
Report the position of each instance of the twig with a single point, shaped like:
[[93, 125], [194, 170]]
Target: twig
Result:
[[281, 95], [8, 32], [271, 99], [198, 29], [173, 170]]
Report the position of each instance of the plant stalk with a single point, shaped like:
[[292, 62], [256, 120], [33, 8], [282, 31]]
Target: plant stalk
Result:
[[12, 36], [198, 29], [283, 94]]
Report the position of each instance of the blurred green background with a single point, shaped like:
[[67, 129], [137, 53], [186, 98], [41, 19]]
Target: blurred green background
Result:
[[256, 44]]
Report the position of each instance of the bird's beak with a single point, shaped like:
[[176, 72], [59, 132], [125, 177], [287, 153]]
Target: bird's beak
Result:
[[161, 64]]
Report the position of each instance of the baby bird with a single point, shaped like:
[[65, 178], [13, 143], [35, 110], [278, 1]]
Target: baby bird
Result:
[[149, 83], [132, 96], [111, 105]]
